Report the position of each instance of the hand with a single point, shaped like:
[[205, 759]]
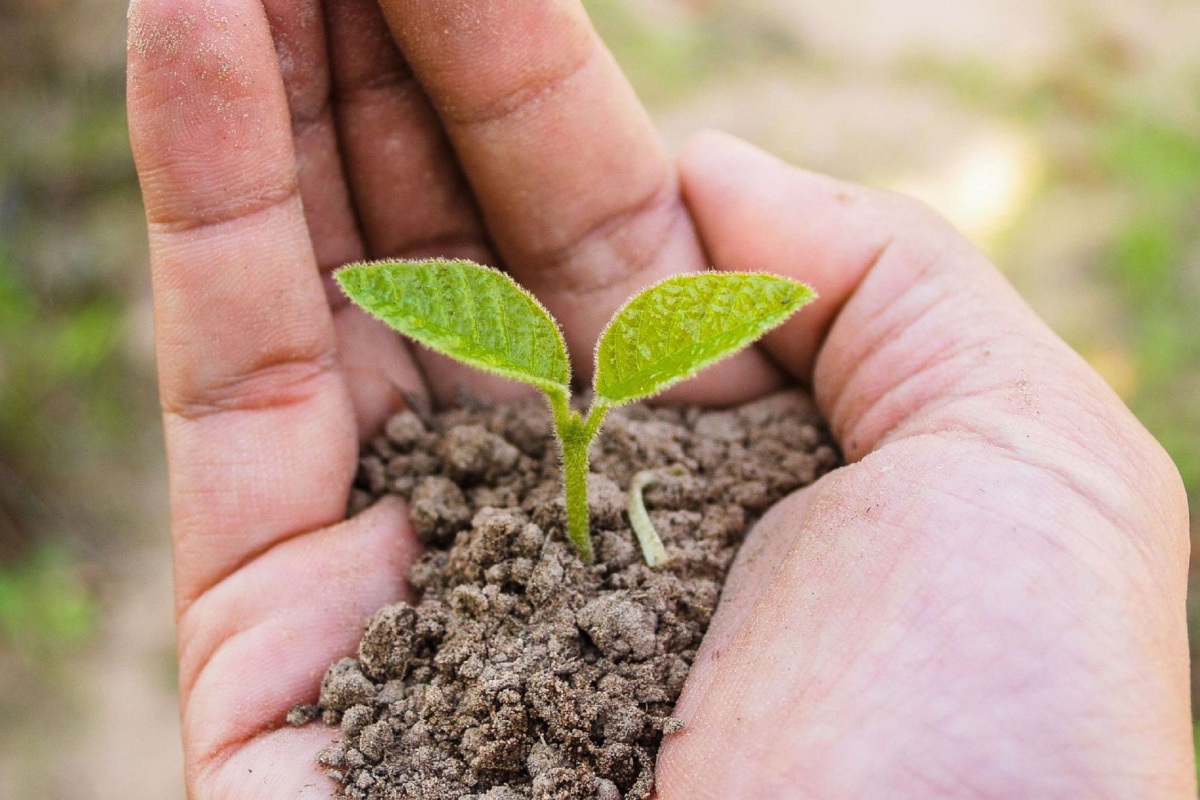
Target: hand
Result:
[[988, 601]]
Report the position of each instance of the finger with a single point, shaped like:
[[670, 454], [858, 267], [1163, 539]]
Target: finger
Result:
[[379, 370], [276, 764], [412, 198], [757, 559], [997, 461], [909, 315], [577, 192], [914, 332], [259, 643], [940, 618], [250, 388], [810, 227], [298, 31], [411, 195]]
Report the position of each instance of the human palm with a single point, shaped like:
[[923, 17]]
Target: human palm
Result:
[[987, 602]]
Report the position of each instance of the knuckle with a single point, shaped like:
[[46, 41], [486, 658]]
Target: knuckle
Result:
[[276, 381]]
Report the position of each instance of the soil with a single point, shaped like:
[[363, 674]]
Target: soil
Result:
[[522, 672]]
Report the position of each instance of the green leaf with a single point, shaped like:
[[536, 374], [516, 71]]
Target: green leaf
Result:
[[677, 327], [474, 314]]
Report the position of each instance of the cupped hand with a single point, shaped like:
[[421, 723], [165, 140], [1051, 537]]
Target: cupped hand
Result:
[[988, 601]]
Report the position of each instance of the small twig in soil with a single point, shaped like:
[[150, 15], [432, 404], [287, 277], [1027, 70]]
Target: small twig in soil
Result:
[[652, 546]]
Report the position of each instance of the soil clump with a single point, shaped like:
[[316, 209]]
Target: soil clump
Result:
[[523, 673]]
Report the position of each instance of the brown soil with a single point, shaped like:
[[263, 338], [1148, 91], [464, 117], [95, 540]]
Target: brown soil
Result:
[[523, 673]]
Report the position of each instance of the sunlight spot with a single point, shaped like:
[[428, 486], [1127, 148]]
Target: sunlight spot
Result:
[[982, 187]]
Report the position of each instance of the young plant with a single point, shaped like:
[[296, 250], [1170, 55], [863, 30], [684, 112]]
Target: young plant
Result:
[[665, 334]]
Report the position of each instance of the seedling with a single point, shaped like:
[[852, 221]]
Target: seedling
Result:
[[665, 334]]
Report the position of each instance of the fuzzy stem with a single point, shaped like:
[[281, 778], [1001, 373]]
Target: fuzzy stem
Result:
[[595, 416], [575, 474], [574, 435]]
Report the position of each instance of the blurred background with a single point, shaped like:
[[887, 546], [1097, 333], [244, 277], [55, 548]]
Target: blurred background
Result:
[[1063, 136]]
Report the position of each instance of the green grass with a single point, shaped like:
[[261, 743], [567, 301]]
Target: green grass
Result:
[[56, 361], [1196, 745], [1154, 261], [1159, 160], [45, 607]]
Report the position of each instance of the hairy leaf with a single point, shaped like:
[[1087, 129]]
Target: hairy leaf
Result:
[[474, 314], [683, 324]]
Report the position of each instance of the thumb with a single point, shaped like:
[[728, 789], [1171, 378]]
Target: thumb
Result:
[[999, 461], [910, 315]]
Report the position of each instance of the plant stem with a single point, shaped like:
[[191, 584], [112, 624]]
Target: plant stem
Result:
[[574, 435], [595, 416], [575, 473]]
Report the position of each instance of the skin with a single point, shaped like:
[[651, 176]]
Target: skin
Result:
[[987, 602]]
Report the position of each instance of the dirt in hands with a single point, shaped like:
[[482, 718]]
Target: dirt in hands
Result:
[[522, 672]]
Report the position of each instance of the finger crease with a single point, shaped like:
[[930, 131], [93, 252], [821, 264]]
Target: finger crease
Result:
[[229, 211], [394, 80], [520, 98], [284, 382], [209, 763], [191, 664], [1115, 510], [663, 200], [321, 117], [454, 242]]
